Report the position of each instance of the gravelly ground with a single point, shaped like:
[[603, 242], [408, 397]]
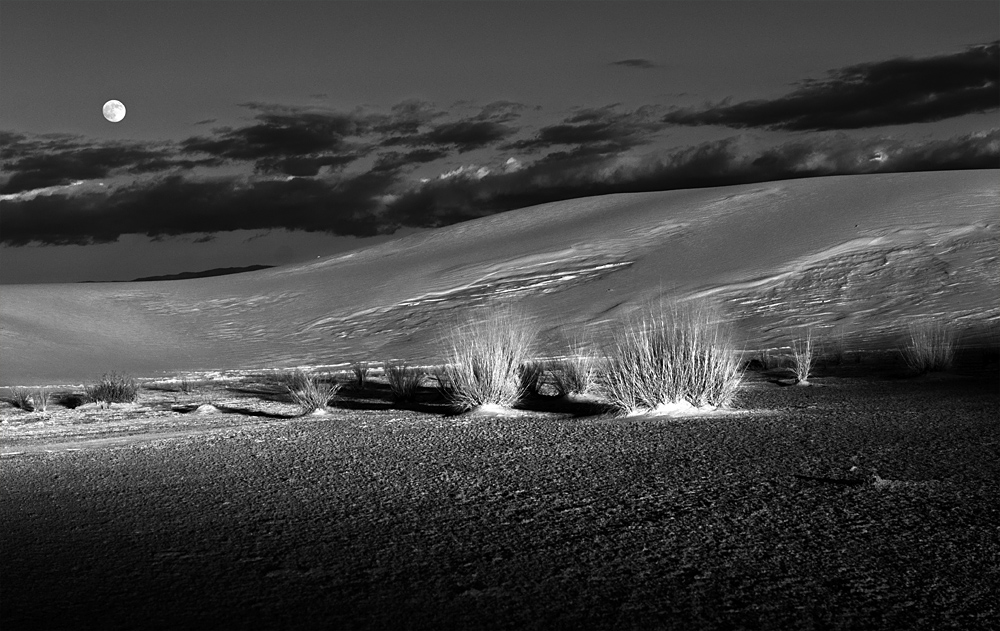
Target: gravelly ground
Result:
[[860, 505]]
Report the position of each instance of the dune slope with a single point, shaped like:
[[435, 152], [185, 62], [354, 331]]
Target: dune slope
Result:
[[851, 256]]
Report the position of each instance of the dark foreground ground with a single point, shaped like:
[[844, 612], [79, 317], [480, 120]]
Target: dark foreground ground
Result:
[[858, 505]]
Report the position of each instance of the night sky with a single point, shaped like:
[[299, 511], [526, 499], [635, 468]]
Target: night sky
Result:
[[277, 131]]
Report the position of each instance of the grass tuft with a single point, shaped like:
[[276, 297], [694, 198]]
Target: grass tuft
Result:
[[403, 381], [802, 359], [40, 400], [114, 387], [360, 370], [309, 392], [671, 354], [931, 347], [486, 353], [576, 374], [22, 399]]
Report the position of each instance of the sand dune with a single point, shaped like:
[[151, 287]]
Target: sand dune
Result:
[[854, 256]]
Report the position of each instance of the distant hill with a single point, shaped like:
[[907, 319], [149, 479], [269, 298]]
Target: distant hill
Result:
[[852, 259], [218, 271]]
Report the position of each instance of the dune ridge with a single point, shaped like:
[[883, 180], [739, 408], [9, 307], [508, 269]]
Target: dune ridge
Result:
[[856, 254]]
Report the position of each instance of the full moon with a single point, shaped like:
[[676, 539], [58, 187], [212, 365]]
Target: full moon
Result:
[[114, 111]]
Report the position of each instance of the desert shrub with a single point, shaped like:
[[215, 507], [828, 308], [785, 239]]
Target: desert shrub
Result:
[[403, 380], [531, 375], [576, 374], [669, 354], [802, 359], [22, 399], [114, 387], [309, 392], [40, 400], [360, 370], [931, 347], [486, 352], [184, 385]]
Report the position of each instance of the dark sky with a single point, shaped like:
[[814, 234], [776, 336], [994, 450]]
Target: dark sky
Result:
[[276, 131]]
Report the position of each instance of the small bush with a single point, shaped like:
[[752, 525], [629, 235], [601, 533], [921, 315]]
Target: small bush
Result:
[[931, 347], [308, 391], [40, 400], [403, 381], [574, 375], [671, 354], [114, 387], [360, 370], [486, 352], [22, 399], [802, 359]]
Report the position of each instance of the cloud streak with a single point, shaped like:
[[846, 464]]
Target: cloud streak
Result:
[[605, 127], [893, 92], [61, 159], [640, 64]]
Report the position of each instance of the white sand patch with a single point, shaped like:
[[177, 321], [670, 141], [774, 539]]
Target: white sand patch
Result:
[[206, 408], [681, 409], [493, 410], [577, 397]]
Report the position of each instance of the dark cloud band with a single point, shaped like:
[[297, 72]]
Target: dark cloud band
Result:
[[379, 201], [893, 92]]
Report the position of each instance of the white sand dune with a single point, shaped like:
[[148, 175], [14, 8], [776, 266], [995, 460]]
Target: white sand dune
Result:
[[851, 255]]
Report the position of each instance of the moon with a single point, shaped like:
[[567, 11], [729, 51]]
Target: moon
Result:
[[114, 110]]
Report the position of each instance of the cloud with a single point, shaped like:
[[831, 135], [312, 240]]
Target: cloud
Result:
[[395, 160], [295, 141], [893, 92], [605, 126], [467, 135], [38, 162], [641, 64], [501, 111], [177, 205], [404, 119], [486, 128]]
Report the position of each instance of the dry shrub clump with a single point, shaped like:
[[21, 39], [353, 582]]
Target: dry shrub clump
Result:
[[576, 374], [931, 347], [802, 359], [114, 387], [669, 354], [360, 370], [40, 400], [309, 392], [403, 380], [22, 399], [486, 353]]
